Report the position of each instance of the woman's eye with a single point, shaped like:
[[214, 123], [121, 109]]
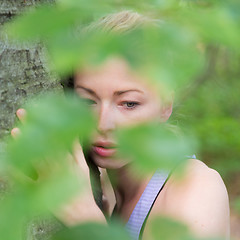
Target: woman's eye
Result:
[[88, 102], [130, 105]]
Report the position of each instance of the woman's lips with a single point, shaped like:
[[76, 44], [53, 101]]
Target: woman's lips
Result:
[[104, 152]]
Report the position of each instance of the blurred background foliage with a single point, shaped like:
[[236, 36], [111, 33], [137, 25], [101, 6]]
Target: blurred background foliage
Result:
[[195, 51]]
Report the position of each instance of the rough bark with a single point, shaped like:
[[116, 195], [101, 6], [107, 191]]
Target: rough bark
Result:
[[23, 71], [23, 74]]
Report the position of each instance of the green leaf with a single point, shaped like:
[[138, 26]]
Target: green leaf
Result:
[[155, 146], [52, 124], [43, 22], [93, 231], [168, 229]]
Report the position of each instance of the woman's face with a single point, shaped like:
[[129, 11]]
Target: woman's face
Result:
[[118, 97]]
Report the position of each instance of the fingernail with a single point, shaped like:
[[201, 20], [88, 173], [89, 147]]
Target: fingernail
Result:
[[21, 112], [15, 132]]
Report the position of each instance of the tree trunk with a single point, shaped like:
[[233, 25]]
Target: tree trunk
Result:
[[23, 74], [23, 71]]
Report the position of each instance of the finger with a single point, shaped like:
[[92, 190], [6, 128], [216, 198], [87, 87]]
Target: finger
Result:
[[78, 152], [80, 158], [21, 114], [15, 132]]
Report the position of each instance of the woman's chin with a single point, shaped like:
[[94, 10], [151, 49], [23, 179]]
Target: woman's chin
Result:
[[108, 162]]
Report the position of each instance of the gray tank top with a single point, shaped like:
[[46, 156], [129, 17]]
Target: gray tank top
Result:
[[136, 222], [143, 207]]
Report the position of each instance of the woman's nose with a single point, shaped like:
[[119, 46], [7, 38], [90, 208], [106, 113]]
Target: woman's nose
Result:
[[106, 119]]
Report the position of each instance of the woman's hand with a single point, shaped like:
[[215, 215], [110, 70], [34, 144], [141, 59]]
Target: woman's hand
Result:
[[21, 114], [82, 208]]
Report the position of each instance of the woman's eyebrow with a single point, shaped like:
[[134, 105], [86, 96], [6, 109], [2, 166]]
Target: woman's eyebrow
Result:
[[118, 93], [125, 91], [87, 90]]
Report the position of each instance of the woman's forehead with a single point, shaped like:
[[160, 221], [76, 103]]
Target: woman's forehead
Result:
[[114, 72]]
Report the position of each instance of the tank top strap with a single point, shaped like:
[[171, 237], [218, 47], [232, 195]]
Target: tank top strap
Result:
[[145, 203]]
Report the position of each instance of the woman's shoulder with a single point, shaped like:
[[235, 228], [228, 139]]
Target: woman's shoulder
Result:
[[195, 176], [192, 172], [193, 179], [196, 195]]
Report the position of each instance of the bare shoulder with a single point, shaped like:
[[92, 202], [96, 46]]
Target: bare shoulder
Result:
[[202, 181], [196, 176], [198, 198]]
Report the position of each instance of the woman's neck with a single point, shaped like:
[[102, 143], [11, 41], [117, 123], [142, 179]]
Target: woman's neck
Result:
[[127, 186]]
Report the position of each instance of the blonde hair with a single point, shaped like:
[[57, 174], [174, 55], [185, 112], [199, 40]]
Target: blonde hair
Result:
[[121, 22]]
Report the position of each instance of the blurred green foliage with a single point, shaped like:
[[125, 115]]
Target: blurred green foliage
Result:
[[93, 231], [49, 130], [180, 231], [195, 50], [37, 162], [150, 146]]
